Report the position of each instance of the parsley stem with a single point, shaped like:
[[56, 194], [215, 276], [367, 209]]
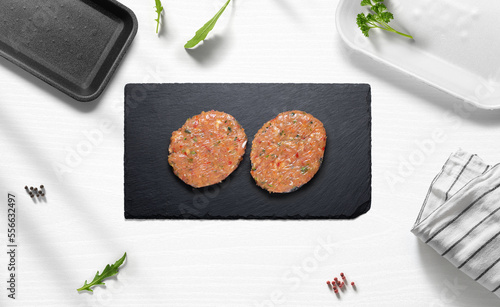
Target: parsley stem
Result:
[[390, 29], [405, 35]]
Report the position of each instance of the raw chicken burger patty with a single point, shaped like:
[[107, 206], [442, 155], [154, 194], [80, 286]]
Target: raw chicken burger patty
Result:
[[207, 148], [287, 151]]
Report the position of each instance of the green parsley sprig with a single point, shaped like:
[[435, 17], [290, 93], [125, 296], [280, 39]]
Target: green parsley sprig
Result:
[[379, 19]]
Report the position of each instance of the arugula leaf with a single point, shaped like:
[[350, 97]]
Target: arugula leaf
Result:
[[379, 19], [202, 33], [108, 271], [159, 9]]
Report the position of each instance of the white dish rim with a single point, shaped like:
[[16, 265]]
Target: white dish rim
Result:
[[410, 73]]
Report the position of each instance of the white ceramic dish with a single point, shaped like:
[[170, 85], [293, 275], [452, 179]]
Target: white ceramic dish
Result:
[[455, 47]]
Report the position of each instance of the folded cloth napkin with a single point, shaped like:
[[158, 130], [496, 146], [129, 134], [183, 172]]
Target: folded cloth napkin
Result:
[[460, 218]]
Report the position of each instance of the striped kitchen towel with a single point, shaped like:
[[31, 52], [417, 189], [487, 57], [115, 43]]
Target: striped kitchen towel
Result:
[[460, 218]]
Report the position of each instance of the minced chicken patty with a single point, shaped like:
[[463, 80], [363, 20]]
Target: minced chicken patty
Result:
[[287, 151], [207, 148]]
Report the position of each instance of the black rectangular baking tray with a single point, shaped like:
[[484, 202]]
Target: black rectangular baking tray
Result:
[[340, 190], [73, 45]]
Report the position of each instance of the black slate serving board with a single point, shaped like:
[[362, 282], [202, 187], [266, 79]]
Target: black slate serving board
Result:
[[340, 189]]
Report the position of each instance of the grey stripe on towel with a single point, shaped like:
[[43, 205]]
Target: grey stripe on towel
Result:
[[460, 218]]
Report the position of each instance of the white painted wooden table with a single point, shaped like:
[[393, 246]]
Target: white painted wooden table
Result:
[[81, 227]]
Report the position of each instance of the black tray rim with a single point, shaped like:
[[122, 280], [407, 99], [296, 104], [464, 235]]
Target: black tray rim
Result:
[[109, 74]]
